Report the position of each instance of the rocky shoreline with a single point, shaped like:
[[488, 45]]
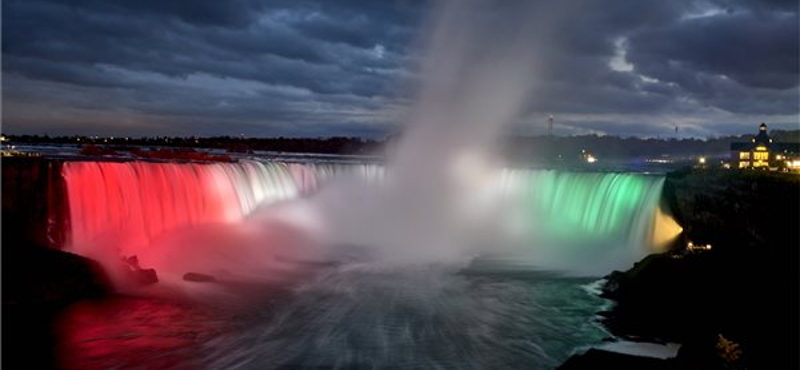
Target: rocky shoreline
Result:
[[734, 306]]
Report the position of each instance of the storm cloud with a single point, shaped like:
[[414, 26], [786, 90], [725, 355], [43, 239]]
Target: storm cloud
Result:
[[321, 68]]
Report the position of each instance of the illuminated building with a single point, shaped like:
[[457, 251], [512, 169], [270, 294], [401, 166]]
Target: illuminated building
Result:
[[761, 152], [588, 157]]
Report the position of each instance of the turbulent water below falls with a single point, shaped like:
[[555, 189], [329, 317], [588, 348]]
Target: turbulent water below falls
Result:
[[357, 315], [354, 316]]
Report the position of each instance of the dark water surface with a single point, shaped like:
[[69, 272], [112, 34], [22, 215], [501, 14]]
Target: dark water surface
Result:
[[355, 316]]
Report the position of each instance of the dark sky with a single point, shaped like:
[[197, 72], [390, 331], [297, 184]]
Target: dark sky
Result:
[[323, 67]]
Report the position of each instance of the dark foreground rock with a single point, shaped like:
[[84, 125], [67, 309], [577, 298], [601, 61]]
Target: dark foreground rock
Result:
[[599, 359], [37, 284], [694, 298], [736, 305], [38, 275]]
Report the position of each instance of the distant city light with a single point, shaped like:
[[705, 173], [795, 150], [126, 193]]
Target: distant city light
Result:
[[591, 159], [692, 247], [701, 160], [658, 160]]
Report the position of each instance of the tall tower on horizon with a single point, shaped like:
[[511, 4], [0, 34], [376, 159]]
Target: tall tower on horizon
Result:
[[550, 126]]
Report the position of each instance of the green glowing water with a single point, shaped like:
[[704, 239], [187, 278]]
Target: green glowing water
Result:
[[578, 205]]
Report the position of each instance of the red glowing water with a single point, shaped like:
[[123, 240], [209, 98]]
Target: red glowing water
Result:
[[129, 204], [129, 333]]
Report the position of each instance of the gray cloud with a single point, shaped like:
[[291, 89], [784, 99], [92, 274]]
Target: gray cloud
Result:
[[313, 67], [754, 50]]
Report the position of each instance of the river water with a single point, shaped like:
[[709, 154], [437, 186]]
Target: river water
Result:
[[351, 316]]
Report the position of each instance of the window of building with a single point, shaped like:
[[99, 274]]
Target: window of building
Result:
[[744, 155], [761, 156]]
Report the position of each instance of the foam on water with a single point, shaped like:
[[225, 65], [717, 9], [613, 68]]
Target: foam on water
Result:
[[372, 316]]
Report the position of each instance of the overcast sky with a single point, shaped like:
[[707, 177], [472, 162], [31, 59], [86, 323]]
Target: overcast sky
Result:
[[323, 67]]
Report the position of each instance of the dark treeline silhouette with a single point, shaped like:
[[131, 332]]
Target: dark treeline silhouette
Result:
[[330, 145], [631, 147], [545, 147]]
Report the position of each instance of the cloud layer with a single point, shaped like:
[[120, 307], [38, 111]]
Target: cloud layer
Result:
[[320, 68]]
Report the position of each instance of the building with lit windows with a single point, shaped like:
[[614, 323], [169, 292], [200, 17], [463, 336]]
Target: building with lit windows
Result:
[[761, 152]]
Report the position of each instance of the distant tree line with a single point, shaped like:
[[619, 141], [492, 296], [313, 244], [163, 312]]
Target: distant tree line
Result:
[[516, 147], [330, 145], [550, 147]]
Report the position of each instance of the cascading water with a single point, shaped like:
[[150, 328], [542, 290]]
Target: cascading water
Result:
[[618, 206], [585, 222], [129, 204], [309, 177]]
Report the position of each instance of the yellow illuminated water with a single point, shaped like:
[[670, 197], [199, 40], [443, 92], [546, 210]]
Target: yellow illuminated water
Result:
[[665, 230]]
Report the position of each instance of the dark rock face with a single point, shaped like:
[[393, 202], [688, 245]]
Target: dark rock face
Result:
[[737, 209], [745, 289], [38, 275], [38, 279], [35, 206], [37, 284], [693, 298]]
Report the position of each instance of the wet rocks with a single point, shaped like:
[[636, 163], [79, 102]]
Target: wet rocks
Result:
[[198, 277], [34, 274], [137, 274]]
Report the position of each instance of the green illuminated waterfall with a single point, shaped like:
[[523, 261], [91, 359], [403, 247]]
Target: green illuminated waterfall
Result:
[[615, 207]]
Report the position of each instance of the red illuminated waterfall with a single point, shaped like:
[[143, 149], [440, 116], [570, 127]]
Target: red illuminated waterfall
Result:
[[128, 204]]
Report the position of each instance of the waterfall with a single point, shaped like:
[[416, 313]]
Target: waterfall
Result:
[[130, 203], [311, 176], [621, 209]]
